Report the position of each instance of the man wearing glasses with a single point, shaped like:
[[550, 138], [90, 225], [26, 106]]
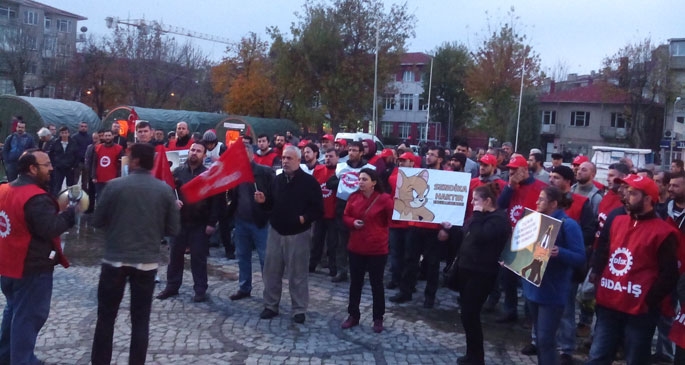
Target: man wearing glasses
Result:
[[30, 226]]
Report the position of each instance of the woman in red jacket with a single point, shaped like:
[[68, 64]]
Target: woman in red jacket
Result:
[[367, 214]]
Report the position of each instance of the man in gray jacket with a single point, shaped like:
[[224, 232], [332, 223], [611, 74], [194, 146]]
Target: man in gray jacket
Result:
[[133, 229]]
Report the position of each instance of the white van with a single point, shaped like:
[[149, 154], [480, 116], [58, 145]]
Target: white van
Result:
[[349, 137]]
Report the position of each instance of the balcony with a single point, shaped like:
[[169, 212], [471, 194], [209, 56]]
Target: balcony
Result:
[[549, 129], [613, 132]]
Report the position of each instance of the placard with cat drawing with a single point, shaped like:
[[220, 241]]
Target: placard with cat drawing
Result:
[[436, 196]]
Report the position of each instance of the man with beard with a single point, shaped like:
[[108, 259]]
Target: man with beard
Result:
[[310, 154], [535, 161], [341, 146], [456, 162], [675, 209], [486, 174], [183, 139], [117, 138], [265, 155], [636, 269], [326, 144], [585, 186], [469, 166], [348, 182], [29, 250], [82, 139], [15, 144], [426, 241], [106, 162], [399, 241], [197, 224], [325, 229], [158, 137]]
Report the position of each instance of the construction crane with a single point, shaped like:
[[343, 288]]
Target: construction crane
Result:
[[157, 26]]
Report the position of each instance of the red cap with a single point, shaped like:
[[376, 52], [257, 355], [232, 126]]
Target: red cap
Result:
[[328, 137], [303, 143], [341, 141], [643, 183], [387, 152], [489, 159], [517, 161], [406, 156], [580, 159]]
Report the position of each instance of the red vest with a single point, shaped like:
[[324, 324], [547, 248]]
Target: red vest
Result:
[[677, 334], [525, 196], [476, 182], [172, 145], [576, 208], [633, 264], [14, 233], [266, 160], [107, 167], [322, 175]]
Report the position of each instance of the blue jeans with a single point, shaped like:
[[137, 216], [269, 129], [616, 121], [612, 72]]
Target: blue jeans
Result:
[[636, 331], [27, 309], [247, 236], [110, 292], [546, 319], [567, 329]]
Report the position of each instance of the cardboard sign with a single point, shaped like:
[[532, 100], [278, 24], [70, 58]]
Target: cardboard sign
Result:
[[435, 196], [531, 244]]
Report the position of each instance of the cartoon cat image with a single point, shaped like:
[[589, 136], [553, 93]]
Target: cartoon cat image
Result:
[[412, 196]]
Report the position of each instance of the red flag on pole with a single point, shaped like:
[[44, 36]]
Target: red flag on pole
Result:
[[230, 170], [161, 168], [132, 117]]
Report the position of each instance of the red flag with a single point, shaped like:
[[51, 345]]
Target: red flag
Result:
[[161, 168], [230, 170], [132, 117]]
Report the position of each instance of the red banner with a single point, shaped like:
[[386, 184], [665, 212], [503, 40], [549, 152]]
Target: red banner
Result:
[[230, 170], [132, 117], [161, 168]]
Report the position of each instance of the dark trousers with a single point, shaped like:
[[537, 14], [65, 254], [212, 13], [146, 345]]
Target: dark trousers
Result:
[[324, 232], [636, 332], [226, 226], [110, 292], [422, 240], [343, 237], [59, 174], [192, 237], [679, 358], [399, 243], [507, 282], [474, 288], [359, 266]]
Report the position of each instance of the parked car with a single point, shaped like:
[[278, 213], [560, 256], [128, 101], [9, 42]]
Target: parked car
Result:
[[349, 137]]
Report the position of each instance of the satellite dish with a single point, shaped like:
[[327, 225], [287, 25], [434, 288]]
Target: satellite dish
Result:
[[84, 29]]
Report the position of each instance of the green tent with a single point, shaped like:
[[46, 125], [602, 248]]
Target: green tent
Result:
[[166, 120], [39, 112]]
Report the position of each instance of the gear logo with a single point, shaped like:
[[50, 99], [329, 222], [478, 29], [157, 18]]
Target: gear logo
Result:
[[620, 261], [5, 226], [516, 213], [326, 192], [105, 161], [350, 179]]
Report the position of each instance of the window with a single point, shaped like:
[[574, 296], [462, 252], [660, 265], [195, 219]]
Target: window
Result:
[[405, 130], [580, 119], [7, 13], [30, 17], [48, 22], [549, 117], [31, 42], [618, 120], [422, 104], [50, 43], [48, 92], [677, 47], [680, 120], [408, 76], [32, 68], [389, 101], [406, 101], [64, 25], [422, 131], [387, 129]]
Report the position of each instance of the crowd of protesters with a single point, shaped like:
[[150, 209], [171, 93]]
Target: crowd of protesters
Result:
[[326, 204]]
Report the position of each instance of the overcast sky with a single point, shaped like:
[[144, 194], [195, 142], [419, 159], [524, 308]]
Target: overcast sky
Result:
[[578, 34]]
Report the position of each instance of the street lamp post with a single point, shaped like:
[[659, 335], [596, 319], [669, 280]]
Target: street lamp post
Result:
[[675, 120]]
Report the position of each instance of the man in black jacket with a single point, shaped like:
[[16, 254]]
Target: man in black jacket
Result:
[[295, 201], [64, 154], [197, 224], [250, 222]]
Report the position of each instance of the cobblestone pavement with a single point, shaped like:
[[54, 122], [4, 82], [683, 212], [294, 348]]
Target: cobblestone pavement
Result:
[[223, 332]]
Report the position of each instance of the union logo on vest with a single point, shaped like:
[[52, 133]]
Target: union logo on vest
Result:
[[5, 226], [620, 261], [105, 161]]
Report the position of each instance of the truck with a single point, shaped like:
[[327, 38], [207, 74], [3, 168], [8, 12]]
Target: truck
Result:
[[603, 156]]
